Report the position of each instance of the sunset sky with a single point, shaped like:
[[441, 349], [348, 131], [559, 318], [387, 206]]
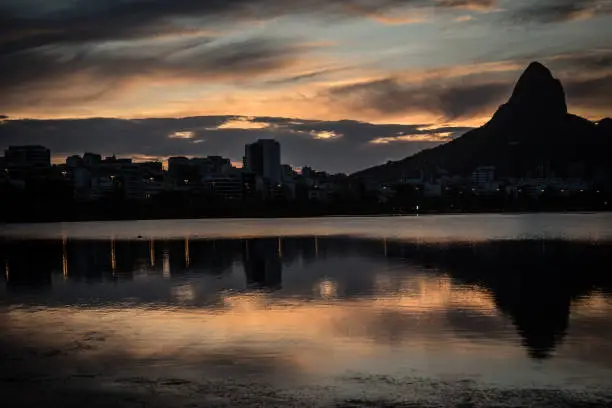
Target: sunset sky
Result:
[[342, 84]]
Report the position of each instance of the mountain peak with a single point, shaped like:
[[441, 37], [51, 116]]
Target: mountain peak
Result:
[[538, 69], [538, 94]]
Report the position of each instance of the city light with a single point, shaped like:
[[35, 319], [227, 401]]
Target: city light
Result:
[[263, 178]]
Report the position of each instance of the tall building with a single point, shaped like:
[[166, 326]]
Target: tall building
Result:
[[264, 159], [27, 158]]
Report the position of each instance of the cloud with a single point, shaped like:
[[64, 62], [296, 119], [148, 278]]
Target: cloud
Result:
[[26, 26], [463, 94], [439, 136], [243, 123], [84, 58], [242, 77], [478, 5], [557, 11], [303, 77], [337, 146], [451, 100], [587, 62], [592, 92], [182, 135], [70, 75], [587, 79]]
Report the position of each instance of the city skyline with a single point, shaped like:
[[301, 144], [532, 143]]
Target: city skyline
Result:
[[47, 159], [342, 85]]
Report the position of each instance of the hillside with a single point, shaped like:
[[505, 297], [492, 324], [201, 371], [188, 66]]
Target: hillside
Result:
[[532, 133]]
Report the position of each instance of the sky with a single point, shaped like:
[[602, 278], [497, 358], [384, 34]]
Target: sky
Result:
[[342, 84]]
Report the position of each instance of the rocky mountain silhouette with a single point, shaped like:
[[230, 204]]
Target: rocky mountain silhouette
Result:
[[530, 135]]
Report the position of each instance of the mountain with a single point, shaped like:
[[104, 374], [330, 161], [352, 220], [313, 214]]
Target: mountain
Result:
[[531, 134]]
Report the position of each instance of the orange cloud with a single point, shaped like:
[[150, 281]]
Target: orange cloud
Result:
[[430, 95]]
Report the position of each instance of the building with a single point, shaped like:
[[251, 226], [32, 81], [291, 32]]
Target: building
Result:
[[74, 161], [24, 158], [82, 181], [95, 178], [289, 177], [91, 159], [101, 186], [183, 170], [212, 165], [483, 175], [130, 179], [113, 160], [229, 186], [287, 173], [264, 159], [3, 170], [153, 167], [308, 172], [318, 194]]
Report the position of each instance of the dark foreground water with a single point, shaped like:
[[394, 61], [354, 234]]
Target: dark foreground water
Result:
[[444, 311]]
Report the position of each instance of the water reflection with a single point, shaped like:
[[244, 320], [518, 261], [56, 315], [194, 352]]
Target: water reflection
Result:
[[534, 283]]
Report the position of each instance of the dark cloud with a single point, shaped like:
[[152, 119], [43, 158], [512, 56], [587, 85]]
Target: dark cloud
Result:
[[591, 92], [555, 11], [585, 76], [588, 61], [366, 132], [64, 44], [26, 25], [452, 99], [303, 77], [349, 151], [46, 76]]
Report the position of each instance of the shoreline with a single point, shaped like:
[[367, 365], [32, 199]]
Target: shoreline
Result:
[[304, 216]]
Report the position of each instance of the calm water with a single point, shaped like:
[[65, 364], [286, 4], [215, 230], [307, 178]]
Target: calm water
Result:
[[479, 310]]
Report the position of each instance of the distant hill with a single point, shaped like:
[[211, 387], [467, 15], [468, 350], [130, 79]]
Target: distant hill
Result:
[[531, 134]]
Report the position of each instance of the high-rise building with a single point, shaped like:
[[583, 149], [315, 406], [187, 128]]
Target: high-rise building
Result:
[[253, 158], [264, 159]]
